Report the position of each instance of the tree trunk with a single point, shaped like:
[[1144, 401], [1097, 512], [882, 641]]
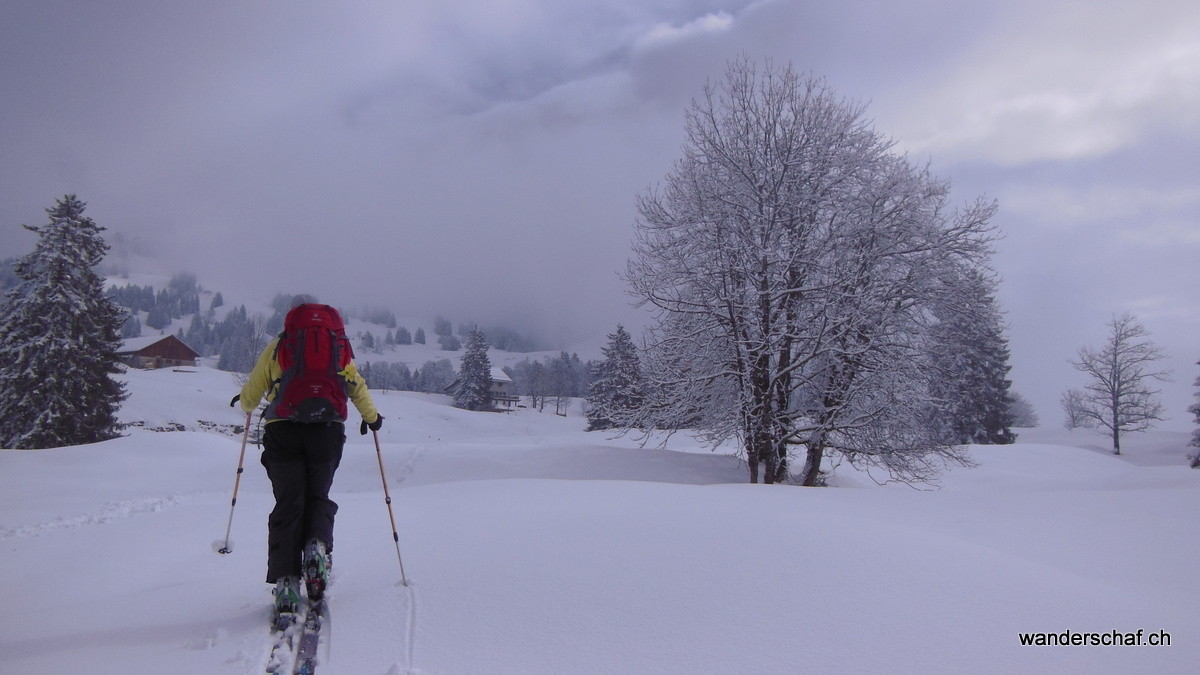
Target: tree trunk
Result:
[[1115, 414], [812, 459], [769, 466], [812, 465], [759, 452], [777, 462], [781, 461]]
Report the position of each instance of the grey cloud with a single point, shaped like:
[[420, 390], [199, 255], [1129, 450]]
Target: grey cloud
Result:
[[480, 160]]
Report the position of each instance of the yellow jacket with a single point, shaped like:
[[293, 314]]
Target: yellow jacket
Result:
[[267, 371]]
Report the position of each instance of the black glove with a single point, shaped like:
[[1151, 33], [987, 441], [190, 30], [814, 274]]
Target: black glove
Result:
[[235, 400], [373, 426]]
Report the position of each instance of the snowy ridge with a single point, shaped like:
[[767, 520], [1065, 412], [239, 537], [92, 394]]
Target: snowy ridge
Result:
[[534, 547]]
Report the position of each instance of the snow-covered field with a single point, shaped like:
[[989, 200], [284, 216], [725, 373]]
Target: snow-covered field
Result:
[[533, 547]]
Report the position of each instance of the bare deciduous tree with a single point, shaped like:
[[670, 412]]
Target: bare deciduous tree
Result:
[[791, 258], [1072, 405], [1118, 397]]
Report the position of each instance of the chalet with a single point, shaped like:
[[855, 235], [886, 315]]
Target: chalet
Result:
[[503, 389], [157, 351]]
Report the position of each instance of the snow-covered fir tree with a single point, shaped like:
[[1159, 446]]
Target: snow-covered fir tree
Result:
[[8, 278], [616, 387], [242, 339], [442, 326], [1195, 410], [131, 327], [474, 388], [970, 359], [59, 335]]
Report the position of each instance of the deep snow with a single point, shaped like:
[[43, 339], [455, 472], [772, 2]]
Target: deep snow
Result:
[[534, 547]]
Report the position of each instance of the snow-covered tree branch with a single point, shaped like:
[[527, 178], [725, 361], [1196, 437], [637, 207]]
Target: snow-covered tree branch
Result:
[[793, 262]]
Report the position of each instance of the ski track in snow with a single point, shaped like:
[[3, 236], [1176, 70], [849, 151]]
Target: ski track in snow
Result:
[[407, 633], [407, 592], [409, 463], [115, 510]]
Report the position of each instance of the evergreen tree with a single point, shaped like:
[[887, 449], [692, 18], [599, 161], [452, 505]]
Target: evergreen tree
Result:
[[404, 378], [1195, 410], [241, 339], [217, 301], [970, 362], [616, 387], [59, 335], [131, 327], [442, 326], [199, 335], [434, 376], [403, 337], [474, 391], [420, 337], [8, 277], [159, 317], [184, 291]]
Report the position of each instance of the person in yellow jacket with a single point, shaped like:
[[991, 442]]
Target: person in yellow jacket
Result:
[[301, 459]]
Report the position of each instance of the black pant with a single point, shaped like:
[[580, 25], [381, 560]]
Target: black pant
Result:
[[300, 460]]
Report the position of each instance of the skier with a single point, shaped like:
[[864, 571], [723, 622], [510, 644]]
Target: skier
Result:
[[307, 374]]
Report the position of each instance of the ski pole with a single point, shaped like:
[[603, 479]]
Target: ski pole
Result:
[[387, 497], [225, 550]]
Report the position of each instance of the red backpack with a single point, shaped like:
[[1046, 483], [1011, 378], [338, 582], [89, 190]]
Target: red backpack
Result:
[[312, 352]]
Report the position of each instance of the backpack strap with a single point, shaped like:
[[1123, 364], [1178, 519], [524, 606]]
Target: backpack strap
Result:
[[273, 388]]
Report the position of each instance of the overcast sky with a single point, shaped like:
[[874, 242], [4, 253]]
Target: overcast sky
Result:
[[480, 158]]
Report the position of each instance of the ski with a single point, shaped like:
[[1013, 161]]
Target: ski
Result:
[[284, 630], [310, 638]]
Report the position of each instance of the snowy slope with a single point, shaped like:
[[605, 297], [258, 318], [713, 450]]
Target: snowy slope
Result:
[[534, 547], [413, 355]]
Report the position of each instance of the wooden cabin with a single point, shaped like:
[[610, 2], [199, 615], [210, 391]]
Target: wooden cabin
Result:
[[157, 351]]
